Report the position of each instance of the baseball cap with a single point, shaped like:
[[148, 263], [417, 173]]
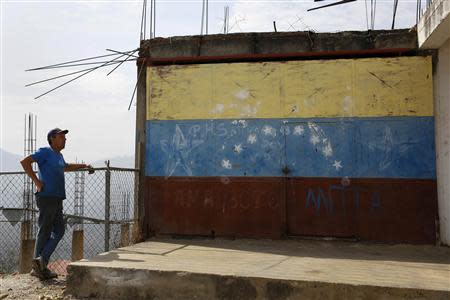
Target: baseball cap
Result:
[[55, 131]]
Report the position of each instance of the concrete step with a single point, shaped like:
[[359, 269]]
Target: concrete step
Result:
[[263, 269]]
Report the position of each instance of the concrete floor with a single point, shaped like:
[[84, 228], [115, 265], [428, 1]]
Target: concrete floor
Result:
[[405, 267]]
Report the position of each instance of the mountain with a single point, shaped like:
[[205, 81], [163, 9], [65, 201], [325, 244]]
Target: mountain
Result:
[[10, 162], [117, 161]]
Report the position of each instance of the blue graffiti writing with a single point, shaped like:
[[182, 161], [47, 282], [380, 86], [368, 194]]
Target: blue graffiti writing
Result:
[[349, 197]]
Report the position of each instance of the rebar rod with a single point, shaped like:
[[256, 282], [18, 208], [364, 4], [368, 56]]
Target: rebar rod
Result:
[[129, 55], [72, 61], [203, 17], [125, 53], [84, 64], [332, 4], [137, 82], [154, 18], [395, 12], [67, 82], [64, 75]]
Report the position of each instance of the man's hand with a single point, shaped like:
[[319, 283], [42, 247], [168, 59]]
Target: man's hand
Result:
[[90, 169], [26, 164], [39, 185]]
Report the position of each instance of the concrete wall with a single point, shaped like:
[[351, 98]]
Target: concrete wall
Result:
[[216, 131], [442, 115], [433, 32], [304, 95], [433, 28]]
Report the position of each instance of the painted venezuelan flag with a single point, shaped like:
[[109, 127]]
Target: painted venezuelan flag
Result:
[[324, 148]]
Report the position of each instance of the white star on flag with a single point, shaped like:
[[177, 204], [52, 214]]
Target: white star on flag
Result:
[[314, 139], [298, 130], [226, 164], [251, 138], [337, 164], [237, 148]]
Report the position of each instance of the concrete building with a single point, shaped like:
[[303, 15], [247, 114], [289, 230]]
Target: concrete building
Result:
[[270, 135], [434, 33]]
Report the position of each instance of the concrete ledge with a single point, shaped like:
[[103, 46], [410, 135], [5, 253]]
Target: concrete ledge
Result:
[[277, 43], [249, 269], [113, 283]]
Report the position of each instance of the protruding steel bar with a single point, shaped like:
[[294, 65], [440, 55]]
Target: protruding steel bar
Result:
[[129, 55], [142, 20], [125, 53], [332, 4], [137, 82], [68, 74], [73, 61], [85, 64], [395, 12], [85, 73]]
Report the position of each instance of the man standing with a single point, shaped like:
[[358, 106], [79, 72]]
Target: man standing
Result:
[[50, 194]]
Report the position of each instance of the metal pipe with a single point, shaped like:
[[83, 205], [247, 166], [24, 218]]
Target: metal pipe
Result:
[[107, 204]]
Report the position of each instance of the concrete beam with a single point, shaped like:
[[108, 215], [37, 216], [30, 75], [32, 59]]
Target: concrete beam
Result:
[[433, 29], [277, 43]]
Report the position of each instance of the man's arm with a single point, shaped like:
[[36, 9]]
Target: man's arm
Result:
[[74, 167], [26, 165]]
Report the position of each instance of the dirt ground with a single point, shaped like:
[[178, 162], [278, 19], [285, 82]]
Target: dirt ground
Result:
[[27, 287]]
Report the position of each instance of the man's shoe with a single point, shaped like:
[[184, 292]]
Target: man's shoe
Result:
[[35, 274], [39, 263], [49, 274], [36, 269]]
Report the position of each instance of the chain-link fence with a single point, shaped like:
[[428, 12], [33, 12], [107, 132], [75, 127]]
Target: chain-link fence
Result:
[[98, 211]]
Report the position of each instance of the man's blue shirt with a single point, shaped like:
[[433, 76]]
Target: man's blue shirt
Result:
[[51, 172]]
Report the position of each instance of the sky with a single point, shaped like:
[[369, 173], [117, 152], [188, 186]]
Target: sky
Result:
[[95, 108]]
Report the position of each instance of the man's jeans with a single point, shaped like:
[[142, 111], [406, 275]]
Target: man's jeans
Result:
[[51, 226]]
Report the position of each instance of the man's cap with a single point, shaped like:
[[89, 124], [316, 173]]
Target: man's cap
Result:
[[55, 131]]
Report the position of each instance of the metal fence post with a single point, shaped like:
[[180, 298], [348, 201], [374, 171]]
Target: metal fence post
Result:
[[107, 205]]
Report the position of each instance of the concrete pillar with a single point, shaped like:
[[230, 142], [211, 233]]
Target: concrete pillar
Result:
[[124, 234], [26, 247], [139, 227], [433, 32], [442, 123], [77, 245]]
